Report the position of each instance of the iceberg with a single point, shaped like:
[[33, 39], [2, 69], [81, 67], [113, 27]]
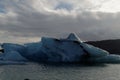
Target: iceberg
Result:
[[12, 52], [70, 49]]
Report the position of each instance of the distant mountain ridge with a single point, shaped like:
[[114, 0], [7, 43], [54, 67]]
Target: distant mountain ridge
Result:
[[112, 46]]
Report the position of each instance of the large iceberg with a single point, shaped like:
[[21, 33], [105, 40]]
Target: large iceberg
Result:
[[71, 49]]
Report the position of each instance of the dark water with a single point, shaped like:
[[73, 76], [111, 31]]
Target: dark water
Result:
[[60, 72]]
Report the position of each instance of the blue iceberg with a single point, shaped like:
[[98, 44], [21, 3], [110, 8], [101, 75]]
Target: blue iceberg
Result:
[[71, 49]]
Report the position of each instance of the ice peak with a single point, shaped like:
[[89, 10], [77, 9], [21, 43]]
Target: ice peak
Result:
[[73, 36]]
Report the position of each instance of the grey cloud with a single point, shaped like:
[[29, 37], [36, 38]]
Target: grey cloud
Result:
[[29, 22]]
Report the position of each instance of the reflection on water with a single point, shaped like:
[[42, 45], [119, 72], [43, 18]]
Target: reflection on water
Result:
[[34, 71]]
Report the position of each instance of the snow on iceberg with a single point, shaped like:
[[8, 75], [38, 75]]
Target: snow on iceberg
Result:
[[71, 49]]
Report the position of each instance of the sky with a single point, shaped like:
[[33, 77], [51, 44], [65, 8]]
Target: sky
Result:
[[28, 20]]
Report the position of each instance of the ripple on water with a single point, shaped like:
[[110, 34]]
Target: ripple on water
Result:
[[34, 71]]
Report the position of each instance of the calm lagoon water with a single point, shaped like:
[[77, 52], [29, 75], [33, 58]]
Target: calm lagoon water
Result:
[[35, 71]]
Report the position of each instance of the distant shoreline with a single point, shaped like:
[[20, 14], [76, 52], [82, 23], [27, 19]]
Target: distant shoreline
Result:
[[112, 46]]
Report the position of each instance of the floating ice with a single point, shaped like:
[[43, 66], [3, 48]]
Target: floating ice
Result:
[[71, 49], [94, 51]]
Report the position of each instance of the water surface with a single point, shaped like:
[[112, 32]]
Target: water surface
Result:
[[35, 71]]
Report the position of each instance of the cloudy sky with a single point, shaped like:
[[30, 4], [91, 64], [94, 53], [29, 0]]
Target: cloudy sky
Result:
[[28, 20]]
